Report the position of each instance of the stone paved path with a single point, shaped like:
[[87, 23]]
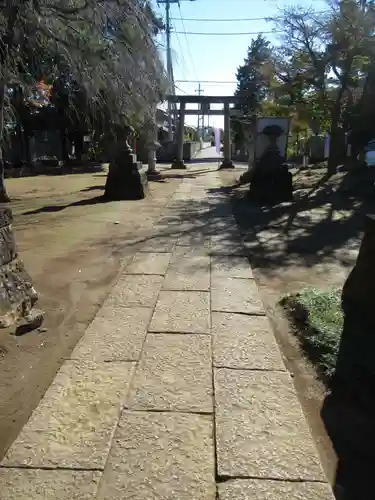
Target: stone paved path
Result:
[[177, 390]]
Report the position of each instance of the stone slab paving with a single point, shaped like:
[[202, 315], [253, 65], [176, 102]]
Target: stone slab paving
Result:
[[252, 489], [135, 291], [174, 373], [161, 456], [174, 226], [260, 428], [182, 312], [74, 423], [159, 244], [178, 382], [189, 270], [230, 266], [224, 243], [243, 343], [149, 263], [236, 296], [39, 484], [197, 238], [116, 334]]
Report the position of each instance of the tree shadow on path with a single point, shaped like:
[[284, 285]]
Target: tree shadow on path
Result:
[[322, 226], [58, 208]]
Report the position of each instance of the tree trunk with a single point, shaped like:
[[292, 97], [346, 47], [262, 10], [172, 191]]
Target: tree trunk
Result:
[[27, 150], [22, 140], [25, 134], [78, 145], [19, 144], [64, 145], [334, 150], [335, 153], [297, 145], [4, 198]]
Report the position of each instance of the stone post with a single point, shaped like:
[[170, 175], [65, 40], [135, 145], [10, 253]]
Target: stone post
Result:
[[152, 146], [151, 170], [152, 173], [227, 162], [179, 162]]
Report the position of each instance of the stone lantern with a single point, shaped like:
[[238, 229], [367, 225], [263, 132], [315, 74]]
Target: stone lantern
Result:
[[125, 180], [152, 142]]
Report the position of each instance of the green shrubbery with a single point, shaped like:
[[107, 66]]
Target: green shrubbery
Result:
[[319, 319]]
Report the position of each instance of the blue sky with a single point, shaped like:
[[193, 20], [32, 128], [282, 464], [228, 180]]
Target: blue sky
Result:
[[216, 58]]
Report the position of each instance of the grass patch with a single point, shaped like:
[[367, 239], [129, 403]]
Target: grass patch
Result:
[[319, 319]]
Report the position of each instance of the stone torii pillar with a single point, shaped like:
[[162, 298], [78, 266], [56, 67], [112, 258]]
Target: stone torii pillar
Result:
[[179, 161], [227, 162]]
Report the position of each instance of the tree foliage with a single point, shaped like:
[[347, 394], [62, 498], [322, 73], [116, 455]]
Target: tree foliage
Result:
[[100, 54], [254, 78], [323, 71]]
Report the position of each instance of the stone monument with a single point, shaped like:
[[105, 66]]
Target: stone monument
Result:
[[126, 180], [271, 182], [17, 293]]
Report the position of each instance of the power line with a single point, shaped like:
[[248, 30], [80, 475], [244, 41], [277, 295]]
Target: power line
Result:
[[234, 20], [219, 84], [187, 42], [181, 90], [227, 34], [228, 0], [251, 1], [182, 56], [203, 81], [223, 20]]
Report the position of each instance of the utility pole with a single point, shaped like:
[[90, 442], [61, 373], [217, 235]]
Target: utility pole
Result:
[[199, 92], [171, 109], [169, 65]]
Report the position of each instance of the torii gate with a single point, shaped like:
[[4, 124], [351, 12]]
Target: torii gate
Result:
[[205, 102]]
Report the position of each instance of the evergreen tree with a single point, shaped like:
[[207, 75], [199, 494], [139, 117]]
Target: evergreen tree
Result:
[[254, 79]]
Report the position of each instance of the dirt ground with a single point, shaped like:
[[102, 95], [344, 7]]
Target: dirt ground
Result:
[[73, 247], [311, 242]]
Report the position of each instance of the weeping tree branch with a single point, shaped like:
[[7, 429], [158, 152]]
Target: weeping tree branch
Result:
[[106, 46]]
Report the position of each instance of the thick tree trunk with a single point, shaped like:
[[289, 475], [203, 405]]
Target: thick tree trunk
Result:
[[334, 151], [25, 134], [27, 150], [64, 145], [4, 198], [78, 146], [22, 141]]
